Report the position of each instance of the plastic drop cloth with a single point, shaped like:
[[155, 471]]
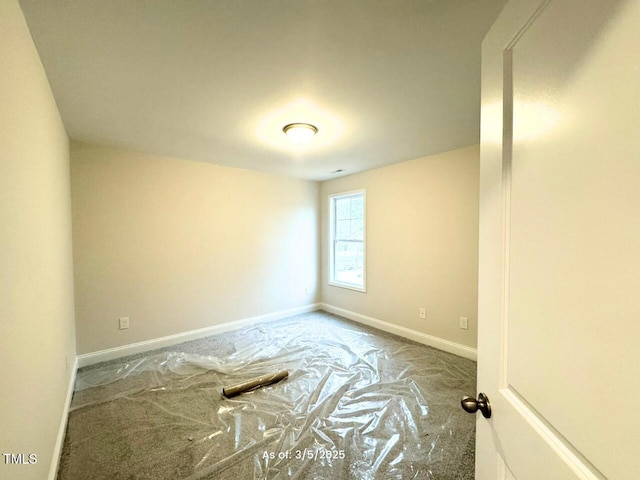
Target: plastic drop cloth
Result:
[[358, 404]]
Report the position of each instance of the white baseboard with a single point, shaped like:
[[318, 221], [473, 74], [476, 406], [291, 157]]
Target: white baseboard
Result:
[[62, 429], [414, 335], [147, 345]]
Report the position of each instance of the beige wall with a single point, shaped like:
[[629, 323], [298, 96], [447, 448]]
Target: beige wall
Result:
[[177, 245], [422, 244], [36, 275]]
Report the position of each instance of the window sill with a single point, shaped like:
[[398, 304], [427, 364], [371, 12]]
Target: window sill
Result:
[[349, 287]]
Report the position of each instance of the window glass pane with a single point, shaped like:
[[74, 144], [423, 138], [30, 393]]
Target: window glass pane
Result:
[[343, 229], [343, 208], [357, 206], [349, 262], [357, 230]]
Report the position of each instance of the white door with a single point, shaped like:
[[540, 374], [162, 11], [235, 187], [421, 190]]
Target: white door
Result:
[[559, 308]]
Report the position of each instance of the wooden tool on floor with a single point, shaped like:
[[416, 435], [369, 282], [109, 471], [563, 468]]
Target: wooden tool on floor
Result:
[[254, 383]]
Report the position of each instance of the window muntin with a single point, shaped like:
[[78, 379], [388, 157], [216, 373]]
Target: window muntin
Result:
[[347, 240]]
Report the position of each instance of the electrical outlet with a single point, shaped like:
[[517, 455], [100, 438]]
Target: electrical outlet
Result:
[[422, 313], [124, 323], [307, 291], [464, 323]]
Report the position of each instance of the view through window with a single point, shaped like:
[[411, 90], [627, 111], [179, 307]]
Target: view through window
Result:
[[347, 256]]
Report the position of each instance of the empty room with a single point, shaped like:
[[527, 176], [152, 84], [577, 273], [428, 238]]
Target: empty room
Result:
[[319, 239]]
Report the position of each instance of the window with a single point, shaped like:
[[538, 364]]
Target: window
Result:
[[347, 214]]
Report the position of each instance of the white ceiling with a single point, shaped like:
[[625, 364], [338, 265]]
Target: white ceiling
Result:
[[216, 80]]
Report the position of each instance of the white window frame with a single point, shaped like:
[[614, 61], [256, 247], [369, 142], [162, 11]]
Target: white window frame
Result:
[[332, 224]]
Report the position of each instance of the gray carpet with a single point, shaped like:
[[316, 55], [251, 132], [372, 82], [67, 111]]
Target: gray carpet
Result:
[[358, 404]]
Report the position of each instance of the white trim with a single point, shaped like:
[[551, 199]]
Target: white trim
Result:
[[348, 286], [147, 345], [439, 343], [335, 283], [62, 429]]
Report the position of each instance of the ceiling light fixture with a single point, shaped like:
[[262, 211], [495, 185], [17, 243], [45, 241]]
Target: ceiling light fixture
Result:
[[300, 132]]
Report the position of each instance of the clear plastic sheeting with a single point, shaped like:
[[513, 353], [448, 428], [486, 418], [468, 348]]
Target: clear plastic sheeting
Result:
[[358, 404]]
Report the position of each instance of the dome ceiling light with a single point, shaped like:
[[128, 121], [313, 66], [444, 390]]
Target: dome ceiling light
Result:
[[300, 132]]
